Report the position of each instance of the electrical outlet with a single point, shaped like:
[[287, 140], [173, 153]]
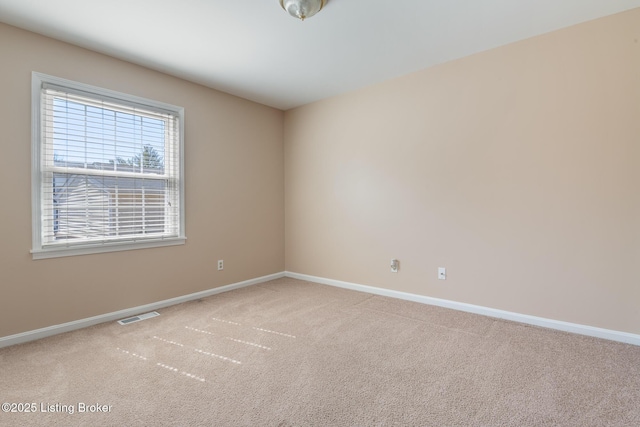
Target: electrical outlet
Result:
[[395, 265], [442, 273], [220, 264]]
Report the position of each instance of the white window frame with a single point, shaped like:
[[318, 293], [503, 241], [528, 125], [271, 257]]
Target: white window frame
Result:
[[40, 251]]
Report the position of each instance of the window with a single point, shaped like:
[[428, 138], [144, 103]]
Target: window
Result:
[[107, 170]]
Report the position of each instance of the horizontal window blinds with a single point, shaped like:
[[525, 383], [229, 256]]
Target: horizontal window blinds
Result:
[[109, 170]]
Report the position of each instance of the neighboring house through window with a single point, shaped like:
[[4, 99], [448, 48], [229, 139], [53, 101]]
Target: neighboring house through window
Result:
[[107, 170]]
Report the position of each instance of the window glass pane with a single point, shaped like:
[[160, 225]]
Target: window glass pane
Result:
[[86, 136], [91, 207]]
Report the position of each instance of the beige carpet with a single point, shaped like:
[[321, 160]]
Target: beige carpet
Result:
[[293, 353]]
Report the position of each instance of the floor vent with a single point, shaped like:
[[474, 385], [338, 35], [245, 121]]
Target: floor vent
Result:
[[138, 318]]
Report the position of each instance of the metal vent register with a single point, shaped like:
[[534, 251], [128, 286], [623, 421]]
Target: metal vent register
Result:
[[138, 318]]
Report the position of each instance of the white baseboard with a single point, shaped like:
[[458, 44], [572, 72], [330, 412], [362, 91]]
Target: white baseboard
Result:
[[591, 331], [575, 328], [90, 321]]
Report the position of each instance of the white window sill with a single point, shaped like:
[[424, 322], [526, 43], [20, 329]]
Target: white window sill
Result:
[[57, 252]]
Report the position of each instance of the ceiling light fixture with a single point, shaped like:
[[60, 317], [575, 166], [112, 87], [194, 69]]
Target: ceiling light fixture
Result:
[[302, 9]]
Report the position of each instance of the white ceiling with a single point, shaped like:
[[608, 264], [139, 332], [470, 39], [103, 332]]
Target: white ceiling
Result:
[[254, 49]]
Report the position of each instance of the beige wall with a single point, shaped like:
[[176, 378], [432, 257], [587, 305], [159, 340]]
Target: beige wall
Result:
[[517, 169], [234, 194]]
